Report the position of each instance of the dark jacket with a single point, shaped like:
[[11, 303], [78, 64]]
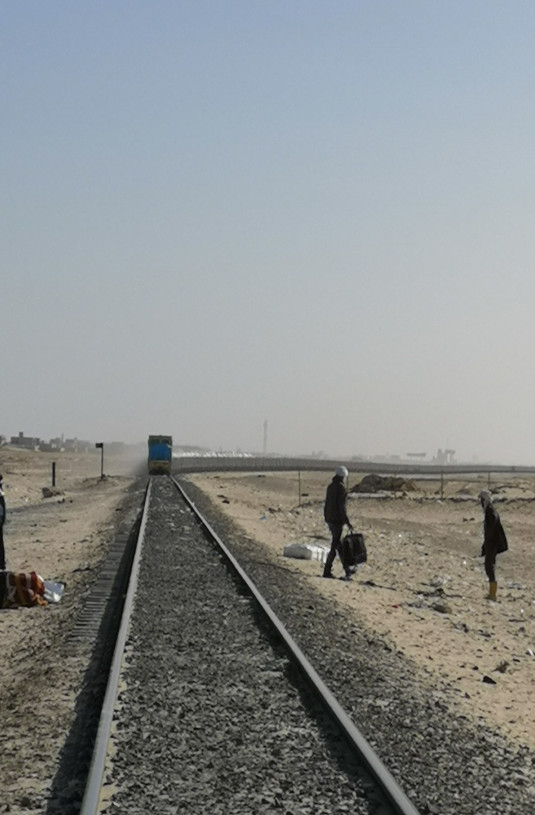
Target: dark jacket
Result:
[[494, 539], [334, 510]]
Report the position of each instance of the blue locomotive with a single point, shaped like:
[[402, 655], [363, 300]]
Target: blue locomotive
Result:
[[160, 455]]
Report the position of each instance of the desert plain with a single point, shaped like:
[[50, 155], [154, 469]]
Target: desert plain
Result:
[[423, 589]]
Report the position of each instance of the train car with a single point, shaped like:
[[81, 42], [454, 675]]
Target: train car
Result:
[[160, 455]]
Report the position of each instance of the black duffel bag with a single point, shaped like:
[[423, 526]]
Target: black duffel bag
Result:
[[353, 550]]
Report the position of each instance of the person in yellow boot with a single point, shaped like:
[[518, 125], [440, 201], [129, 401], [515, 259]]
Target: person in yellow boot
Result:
[[494, 540]]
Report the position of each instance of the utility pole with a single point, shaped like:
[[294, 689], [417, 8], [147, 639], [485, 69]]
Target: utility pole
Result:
[[100, 445], [264, 449]]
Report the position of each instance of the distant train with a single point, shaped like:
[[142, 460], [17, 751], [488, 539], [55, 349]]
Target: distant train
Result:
[[160, 455]]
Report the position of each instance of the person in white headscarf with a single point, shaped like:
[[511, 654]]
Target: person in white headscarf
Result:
[[494, 540], [335, 515]]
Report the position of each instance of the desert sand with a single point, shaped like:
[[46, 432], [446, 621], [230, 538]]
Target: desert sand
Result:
[[64, 538], [423, 588]]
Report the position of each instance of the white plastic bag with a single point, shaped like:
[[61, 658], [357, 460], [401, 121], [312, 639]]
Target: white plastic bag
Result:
[[53, 591], [306, 551]]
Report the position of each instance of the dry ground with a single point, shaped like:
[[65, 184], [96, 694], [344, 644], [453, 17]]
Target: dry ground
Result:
[[424, 587], [64, 537], [422, 551]]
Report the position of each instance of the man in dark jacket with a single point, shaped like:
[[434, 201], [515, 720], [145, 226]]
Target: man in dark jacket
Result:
[[336, 516], [494, 540]]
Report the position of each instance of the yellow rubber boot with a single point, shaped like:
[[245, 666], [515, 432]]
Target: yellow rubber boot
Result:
[[493, 588]]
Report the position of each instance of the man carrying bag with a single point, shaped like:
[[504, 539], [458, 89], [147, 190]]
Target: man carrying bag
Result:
[[335, 516]]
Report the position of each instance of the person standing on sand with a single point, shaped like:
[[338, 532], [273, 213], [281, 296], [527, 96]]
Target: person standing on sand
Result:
[[494, 540], [335, 515], [2, 519]]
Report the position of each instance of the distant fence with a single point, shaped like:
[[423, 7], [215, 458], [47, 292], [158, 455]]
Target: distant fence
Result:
[[200, 464]]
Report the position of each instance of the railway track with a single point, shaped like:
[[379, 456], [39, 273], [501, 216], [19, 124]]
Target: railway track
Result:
[[211, 706]]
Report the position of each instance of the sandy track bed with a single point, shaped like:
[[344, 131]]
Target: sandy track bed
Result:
[[64, 537], [422, 551]]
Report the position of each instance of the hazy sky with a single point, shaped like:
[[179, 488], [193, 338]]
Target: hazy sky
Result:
[[318, 214]]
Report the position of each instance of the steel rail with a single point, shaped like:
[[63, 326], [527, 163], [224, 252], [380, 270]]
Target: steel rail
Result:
[[91, 799], [395, 796]]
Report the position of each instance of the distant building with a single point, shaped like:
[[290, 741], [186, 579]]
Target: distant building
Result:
[[27, 442], [444, 457]]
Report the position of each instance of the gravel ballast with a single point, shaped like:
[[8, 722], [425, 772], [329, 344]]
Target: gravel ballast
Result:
[[208, 719]]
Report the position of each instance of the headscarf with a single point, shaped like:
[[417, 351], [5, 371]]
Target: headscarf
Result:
[[486, 498]]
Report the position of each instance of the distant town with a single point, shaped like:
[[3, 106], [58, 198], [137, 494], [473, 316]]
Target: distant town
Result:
[[60, 443]]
